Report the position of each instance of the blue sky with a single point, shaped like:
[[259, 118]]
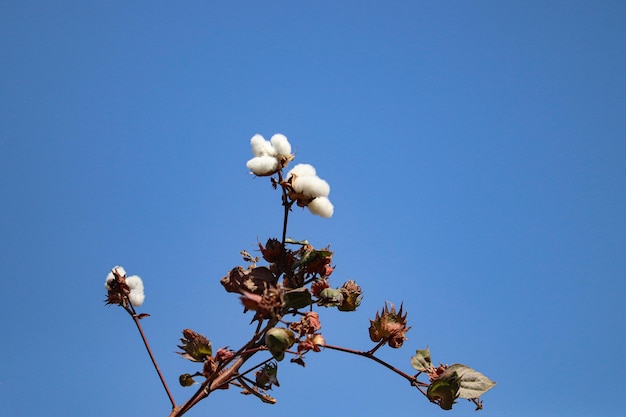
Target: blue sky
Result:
[[476, 154]]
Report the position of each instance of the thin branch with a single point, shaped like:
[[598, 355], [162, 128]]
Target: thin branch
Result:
[[413, 380], [137, 321]]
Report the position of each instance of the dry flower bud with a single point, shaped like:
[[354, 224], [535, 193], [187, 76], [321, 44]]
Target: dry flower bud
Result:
[[390, 326], [272, 251], [224, 354], [318, 286], [352, 296], [308, 324], [196, 347], [267, 376]]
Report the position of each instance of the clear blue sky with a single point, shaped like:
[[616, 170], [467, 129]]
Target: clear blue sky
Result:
[[476, 153]]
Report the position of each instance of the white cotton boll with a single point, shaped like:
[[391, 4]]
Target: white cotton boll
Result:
[[263, 165], [281, 144], [261, 147], [321, 206], [134, 283], [110, 277], [136, 297], [312, 186], [301, 170]]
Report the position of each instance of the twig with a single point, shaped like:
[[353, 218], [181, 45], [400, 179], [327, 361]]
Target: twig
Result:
[[413, 380], [136, 319]]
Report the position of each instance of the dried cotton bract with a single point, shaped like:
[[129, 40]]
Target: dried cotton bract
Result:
[[269, 156]]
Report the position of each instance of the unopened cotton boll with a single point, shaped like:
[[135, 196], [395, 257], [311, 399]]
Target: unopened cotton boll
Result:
[[302, 170], [281, 144], [321, 206], [312, 186], [261, 147], [263, 165]]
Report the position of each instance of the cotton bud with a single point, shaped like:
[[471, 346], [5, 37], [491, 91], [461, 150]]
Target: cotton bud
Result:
[[278, 340]]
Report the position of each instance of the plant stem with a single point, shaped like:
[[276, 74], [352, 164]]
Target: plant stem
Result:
[[136, 319], [287, 207], [413, 380]]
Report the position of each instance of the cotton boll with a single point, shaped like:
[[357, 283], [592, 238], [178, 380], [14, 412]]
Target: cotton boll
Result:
[[136, 297], [263, 165], [281, 144], [134, 283], [261, 147], [301, 170], [321, 206], [110, 277], [312, 186]]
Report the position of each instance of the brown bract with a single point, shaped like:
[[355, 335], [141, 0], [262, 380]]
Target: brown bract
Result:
[[390, 326], [254, 280], [196, 347], [308, 324]]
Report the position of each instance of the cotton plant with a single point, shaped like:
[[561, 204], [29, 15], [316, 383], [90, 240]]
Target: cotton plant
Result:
[[282, 289]]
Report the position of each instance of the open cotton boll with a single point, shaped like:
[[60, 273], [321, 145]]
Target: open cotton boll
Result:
[[134, 283], [263, 165], [110, 277], [261, 147], [312, 186], [301, 170], [136, 297], [281, 144], [321, 206]]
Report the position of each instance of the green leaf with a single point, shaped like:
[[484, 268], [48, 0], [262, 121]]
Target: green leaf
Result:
[[311, 256], [421, 361], [472, 384], [444, 390], [330, 297], [296, 242], [298, 298]]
